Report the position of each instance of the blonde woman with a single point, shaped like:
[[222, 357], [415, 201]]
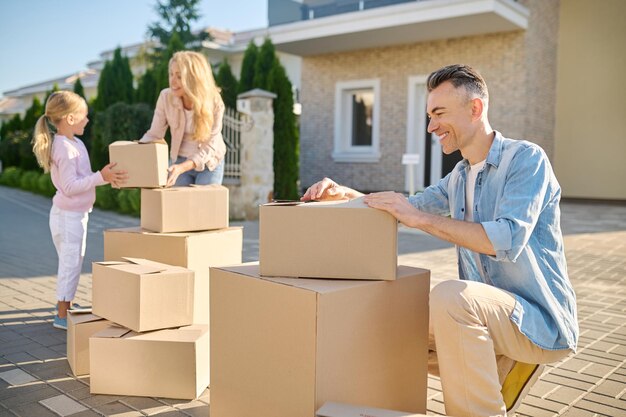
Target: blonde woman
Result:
[[61, 153], [192, 108]]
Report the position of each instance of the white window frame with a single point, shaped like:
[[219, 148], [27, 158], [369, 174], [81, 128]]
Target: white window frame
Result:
[[343, 150]]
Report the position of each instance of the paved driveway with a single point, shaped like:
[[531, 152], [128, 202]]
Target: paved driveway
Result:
[[35, 379]]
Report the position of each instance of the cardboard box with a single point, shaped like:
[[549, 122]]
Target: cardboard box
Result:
[[170, 363], [146, 163], [184, 209], [193, 250], [288, 345], [347, 240], [142, 295], [80, 326], [332, 409]]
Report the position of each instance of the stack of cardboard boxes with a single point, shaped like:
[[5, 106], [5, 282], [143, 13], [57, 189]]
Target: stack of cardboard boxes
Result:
[[326, 315], [149, 333]]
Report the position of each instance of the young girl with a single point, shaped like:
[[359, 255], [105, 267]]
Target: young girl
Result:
[[192, 108], [61, 153]]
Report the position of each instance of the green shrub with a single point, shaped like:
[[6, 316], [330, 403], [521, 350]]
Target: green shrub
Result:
[[11, 177], [45, 186], [106, 197], [28, 181], [128, 201]]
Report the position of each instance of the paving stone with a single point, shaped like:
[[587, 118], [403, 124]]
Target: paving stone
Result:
[[66, 384], [602, 409], [146, 405], [546, 404], [579, 412], [565, 395], [20, 398], [117, 409], [63, 405], [97, 399], [33, 410], [17, 377], [91, 413], [195, 408]]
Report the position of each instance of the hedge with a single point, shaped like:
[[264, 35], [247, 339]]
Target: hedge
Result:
[[126, 201]]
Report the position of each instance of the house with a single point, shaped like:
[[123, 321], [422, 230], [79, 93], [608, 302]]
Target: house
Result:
[[552, 67]]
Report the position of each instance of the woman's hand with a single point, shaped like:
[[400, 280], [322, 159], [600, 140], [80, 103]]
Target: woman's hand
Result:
[[175, 170], [115, 178]]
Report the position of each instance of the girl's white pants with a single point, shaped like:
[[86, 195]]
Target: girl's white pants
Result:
[[69, 234]]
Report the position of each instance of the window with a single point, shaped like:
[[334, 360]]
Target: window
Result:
[[357, 110]]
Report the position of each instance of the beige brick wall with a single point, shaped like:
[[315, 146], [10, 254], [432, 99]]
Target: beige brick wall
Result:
[[519, 68]]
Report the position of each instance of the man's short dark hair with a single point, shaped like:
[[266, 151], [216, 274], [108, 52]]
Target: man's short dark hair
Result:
[[459, 75]]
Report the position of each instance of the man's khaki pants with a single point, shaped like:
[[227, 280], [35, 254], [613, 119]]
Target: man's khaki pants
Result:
[[473, 345]]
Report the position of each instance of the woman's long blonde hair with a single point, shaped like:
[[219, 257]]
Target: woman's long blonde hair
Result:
[[199, 85], [59, 105]]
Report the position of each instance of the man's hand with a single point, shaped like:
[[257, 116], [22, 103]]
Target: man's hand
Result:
[[395, 204], [115, 178], [327, 190]]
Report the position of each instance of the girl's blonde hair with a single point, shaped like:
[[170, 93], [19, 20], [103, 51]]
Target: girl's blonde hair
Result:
[[199, 85], [59, 105]]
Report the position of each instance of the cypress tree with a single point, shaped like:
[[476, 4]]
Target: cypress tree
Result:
[[286, 137], [264, 64], [115, 83], [248, 66], [161, 69], [78, 88], [228, 83], [147, 91]]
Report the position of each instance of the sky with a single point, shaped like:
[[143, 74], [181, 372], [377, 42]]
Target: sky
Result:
[[46, 39]]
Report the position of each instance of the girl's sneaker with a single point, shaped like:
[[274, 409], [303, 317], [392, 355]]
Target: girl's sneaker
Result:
[[60, 323]]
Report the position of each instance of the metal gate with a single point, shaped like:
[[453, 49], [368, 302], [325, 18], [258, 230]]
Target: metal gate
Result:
[[232, 125]]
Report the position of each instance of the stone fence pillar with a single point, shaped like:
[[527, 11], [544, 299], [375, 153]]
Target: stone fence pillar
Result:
[[257, 156]]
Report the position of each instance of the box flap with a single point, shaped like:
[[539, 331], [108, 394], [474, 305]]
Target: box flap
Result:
[[122, 143], [332, 409], [108, 263], [180, 334], [112, 332], [152, 266], [82, 317], [319, 285]]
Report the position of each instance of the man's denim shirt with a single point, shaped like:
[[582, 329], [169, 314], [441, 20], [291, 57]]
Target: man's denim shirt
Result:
[[516, 199]]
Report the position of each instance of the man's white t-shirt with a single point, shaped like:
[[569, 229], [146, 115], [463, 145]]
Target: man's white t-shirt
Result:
[[470, 186]]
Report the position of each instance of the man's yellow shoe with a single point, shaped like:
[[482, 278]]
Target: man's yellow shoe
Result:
[[518, 382]]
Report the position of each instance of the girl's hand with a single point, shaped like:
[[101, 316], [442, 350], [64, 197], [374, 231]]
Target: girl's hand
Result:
[[115, 178]]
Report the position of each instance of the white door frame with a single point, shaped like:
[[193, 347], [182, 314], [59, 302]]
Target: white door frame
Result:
[[416, 134]]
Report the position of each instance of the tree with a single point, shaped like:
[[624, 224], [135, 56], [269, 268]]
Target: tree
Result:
[[176, 17], [162, 67], [264, 64], [147, 90], [78, 88], [228, 83], [115, 83], [286, 135], [121, 121], [248, 66]]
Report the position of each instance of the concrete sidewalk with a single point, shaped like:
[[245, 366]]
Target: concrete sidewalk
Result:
[[35, 379]]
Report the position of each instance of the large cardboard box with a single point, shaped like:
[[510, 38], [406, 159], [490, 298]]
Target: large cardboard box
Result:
[[146, 163], [333, 409], [288, 345], [347, 240], [184, 209], [80, 326], [193, 250], [142, 295], [170, 363]]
